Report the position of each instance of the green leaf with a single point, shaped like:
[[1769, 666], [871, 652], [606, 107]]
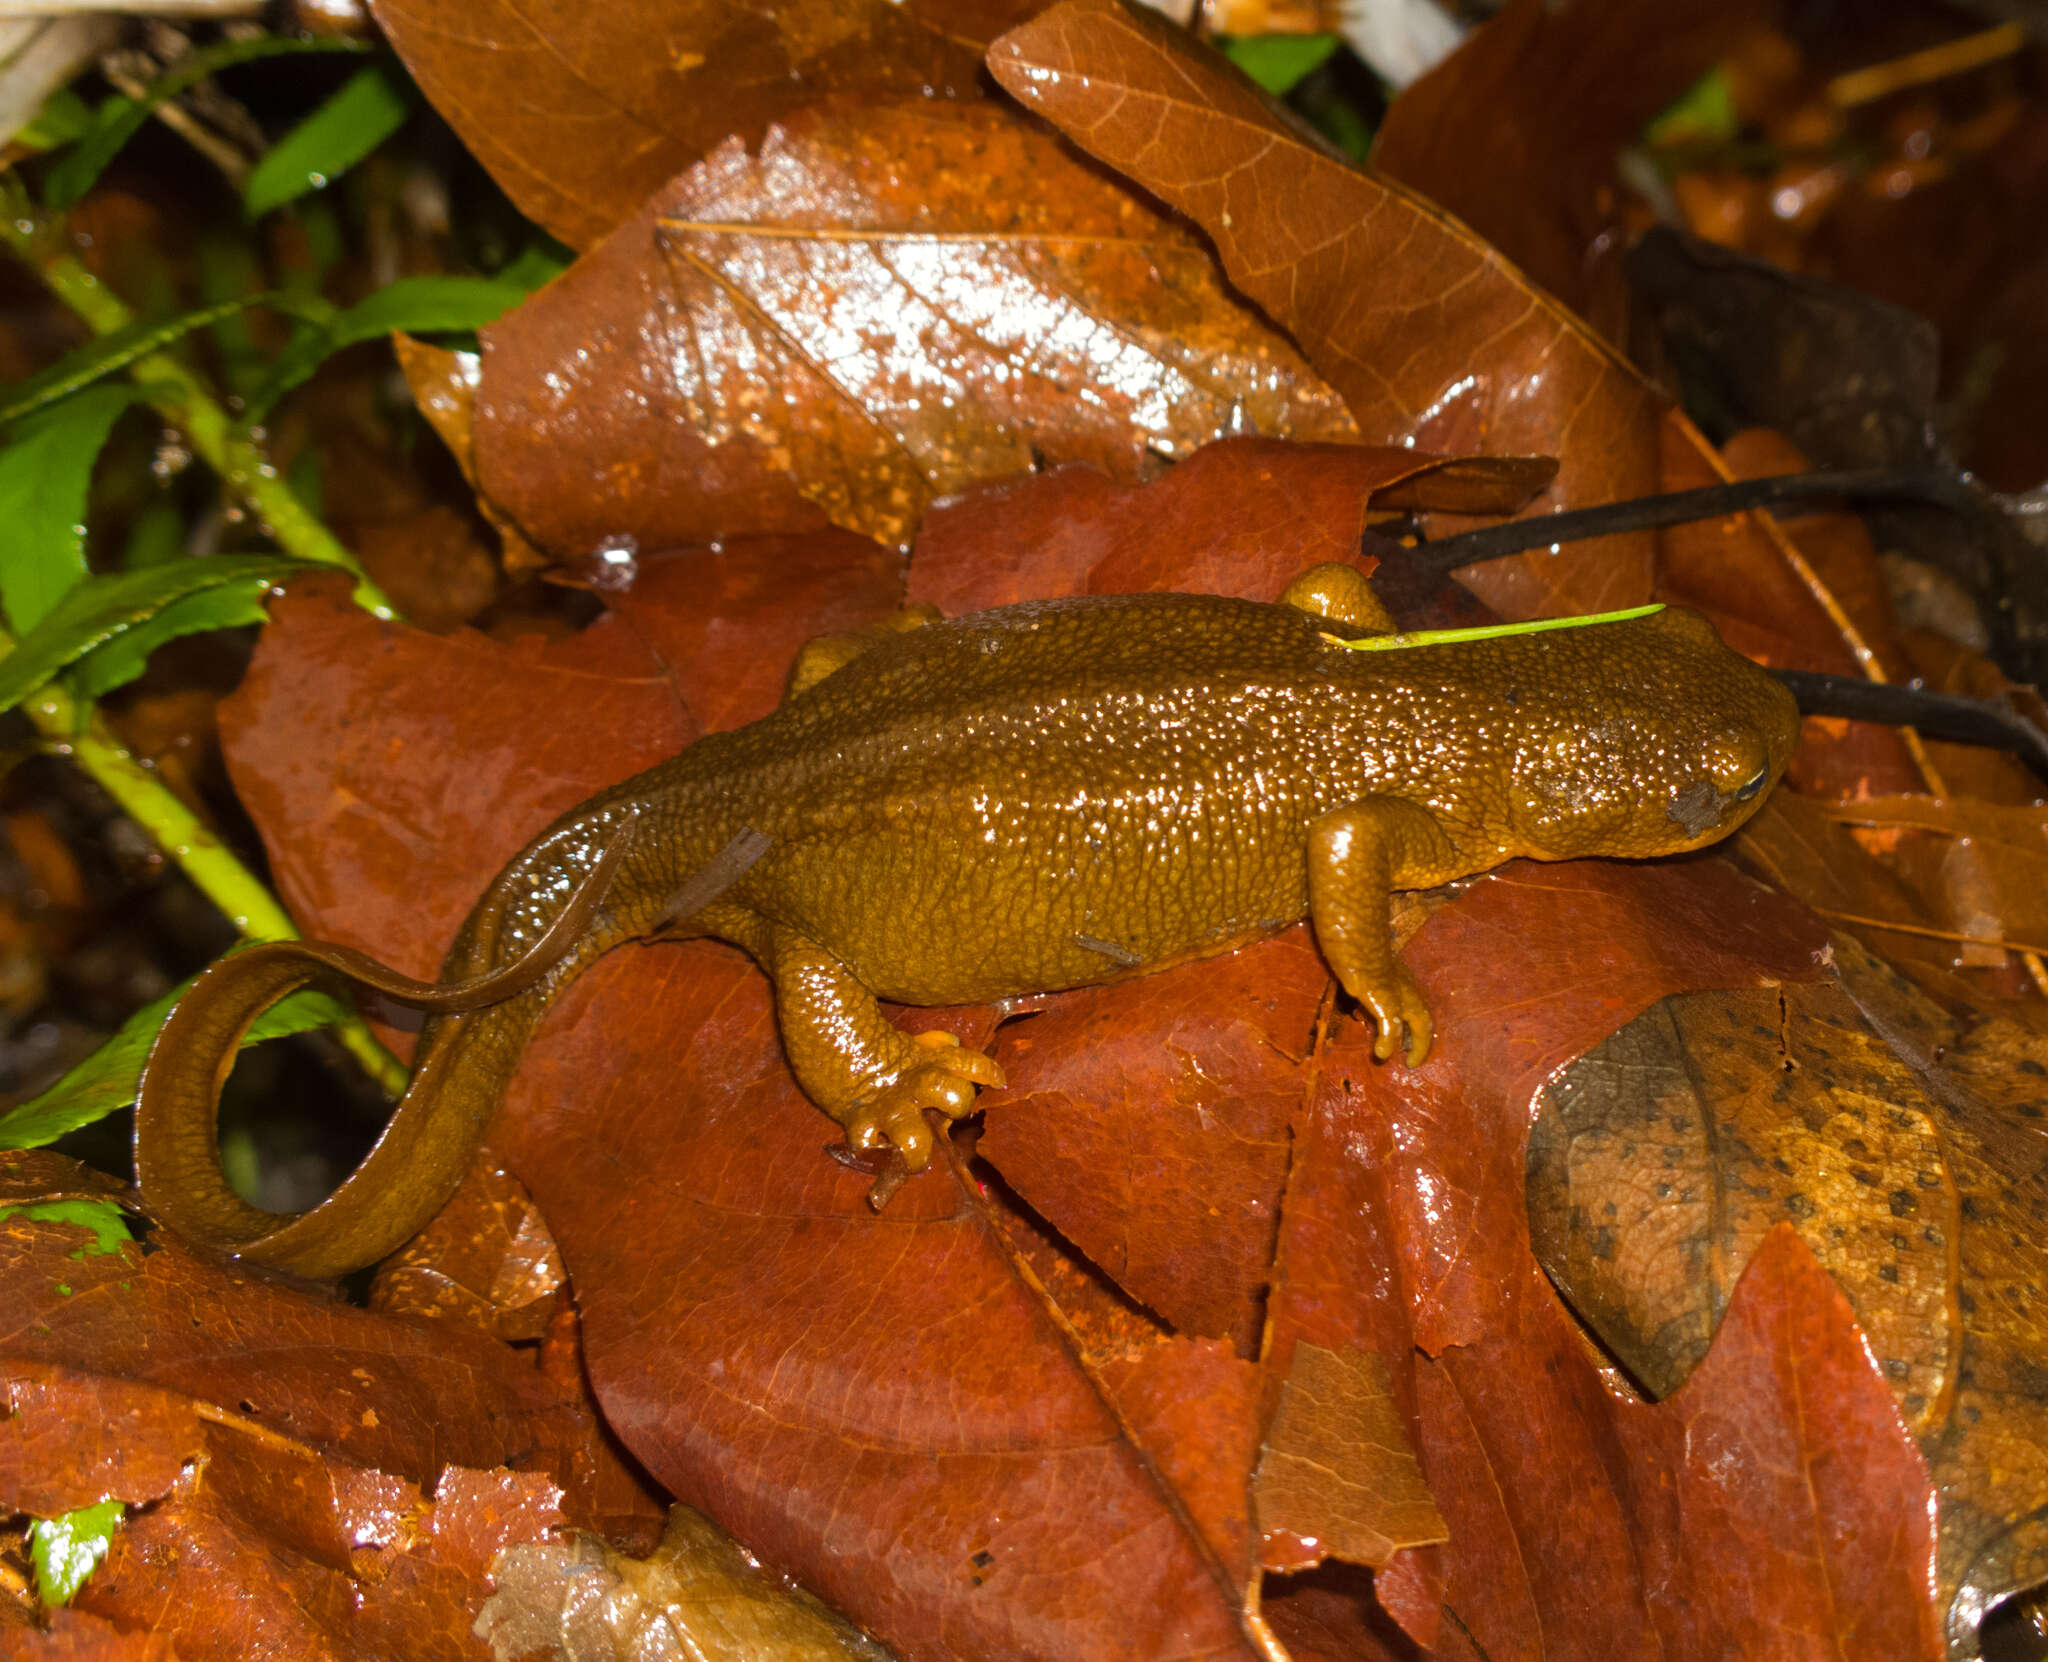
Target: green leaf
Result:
[[122, 659], [341, 132], [45, 472], [119, 119], [101, 608], [64, 116], [537, 264], [104, 1083], [100, 358], [1704, 113], [156, 538], [106, 1220], [1486, 631], [1277, 62], [67, 1549], [417, 305]]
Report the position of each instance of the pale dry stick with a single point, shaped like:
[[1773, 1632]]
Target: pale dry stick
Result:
[[1935, 63]]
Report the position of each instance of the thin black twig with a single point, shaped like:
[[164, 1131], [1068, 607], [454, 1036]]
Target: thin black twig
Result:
[[1646, 513], [1937, 715]]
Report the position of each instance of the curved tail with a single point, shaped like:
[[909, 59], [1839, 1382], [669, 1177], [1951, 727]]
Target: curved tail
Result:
[[522, 944]]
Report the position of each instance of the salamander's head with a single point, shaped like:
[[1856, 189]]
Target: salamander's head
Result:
[[1668, 740]]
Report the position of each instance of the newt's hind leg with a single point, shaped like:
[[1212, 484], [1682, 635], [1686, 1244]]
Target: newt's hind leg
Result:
[[822, 655], [1341, 594], [870, 1076]]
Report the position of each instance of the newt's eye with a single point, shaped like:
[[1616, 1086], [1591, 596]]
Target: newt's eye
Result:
[[1751, 786]]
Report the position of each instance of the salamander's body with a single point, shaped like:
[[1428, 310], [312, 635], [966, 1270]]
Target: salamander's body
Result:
[[1042, 797]]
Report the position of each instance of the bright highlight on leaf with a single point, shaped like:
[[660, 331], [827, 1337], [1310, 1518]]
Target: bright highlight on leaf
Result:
[[1486, 632], [68, 1549]]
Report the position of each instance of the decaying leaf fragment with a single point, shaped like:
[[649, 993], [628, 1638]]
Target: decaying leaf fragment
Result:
[[699, 1597], [1336, 1476]]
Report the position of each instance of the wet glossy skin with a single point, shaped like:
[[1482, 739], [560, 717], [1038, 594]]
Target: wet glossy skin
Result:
[[1043, 797]]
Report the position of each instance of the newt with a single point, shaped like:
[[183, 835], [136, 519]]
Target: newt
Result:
[[1044, 796]]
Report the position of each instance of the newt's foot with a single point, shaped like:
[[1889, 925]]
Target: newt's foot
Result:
[[1395, 1006], [892, 1114]]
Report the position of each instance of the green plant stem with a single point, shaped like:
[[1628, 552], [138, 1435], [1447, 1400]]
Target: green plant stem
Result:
[[202, 856], [181, 399]]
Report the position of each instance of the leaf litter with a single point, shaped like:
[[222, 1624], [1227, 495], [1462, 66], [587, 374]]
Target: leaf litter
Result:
[[1021, 1412]]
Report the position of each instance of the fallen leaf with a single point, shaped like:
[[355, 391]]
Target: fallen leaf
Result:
[[1908, 1156], [697, 1596], [924, 323], [1336, 1475], [1223, 520], [1431, 336], [581, 113]]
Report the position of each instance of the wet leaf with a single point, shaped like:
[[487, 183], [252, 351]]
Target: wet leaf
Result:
[[583, 112], [486, 1261], [340, 1487], [938, 294], [443, 384], [140, 607], [1430, 335]]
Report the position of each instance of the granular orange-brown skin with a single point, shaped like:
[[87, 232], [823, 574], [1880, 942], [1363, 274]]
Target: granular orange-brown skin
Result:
[[1049, 796]]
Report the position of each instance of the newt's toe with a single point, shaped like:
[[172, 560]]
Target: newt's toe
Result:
[[1398, 1007], [894, 1114]]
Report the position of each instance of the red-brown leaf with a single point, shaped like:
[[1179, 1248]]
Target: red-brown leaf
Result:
[[886, 304], [582, 112]]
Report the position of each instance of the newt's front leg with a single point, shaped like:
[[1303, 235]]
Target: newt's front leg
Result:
[[853, 1062], [1357, 856]]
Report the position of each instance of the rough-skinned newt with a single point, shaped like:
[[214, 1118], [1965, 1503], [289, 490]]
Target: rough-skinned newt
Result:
[[1044, 796]]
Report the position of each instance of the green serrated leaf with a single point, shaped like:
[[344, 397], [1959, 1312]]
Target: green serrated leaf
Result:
[[106, 1220], [45, 472], [122, 659], [119, 119], [67, 1549], [100, 608], [369, 108], [104, 1083], [1278, 62], [417, 305], [100, 358]]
